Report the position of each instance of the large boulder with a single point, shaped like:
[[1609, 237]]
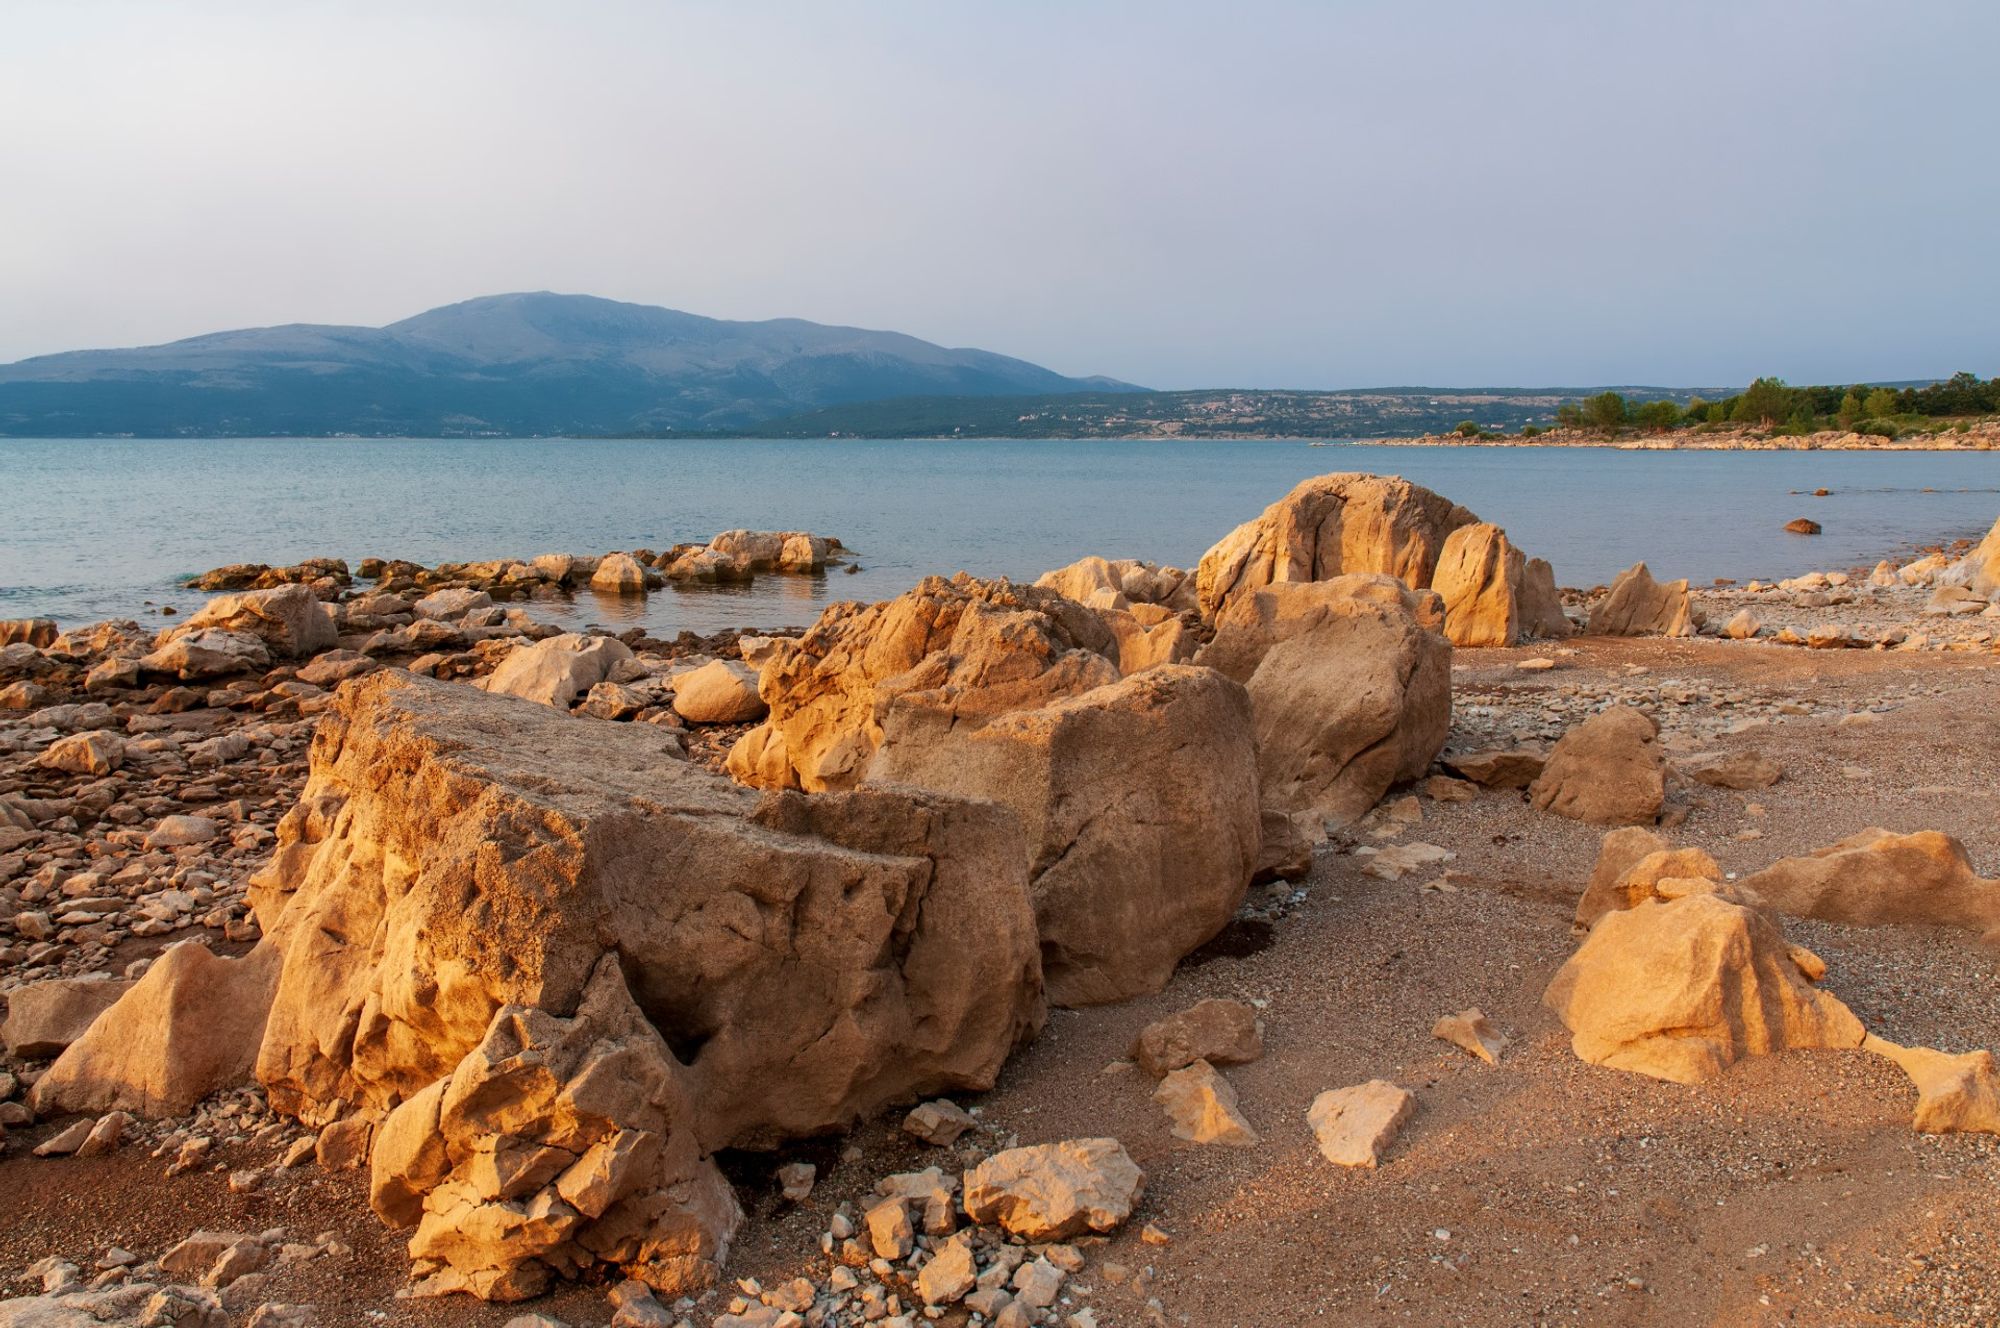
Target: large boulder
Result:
[[1103, 582], [1350, 685], [1480, 577], [1148, 636], [1607, 770], [1541, 603], [1329, 526], [37, 632], [1880, 877], [983, 648], [1681, 988], [289, 620], [721, 691], [1637, 605], [1140, 803], [210, 652], [774, 550], [619, 574], [558, 670], [45, 1017], [1980, 569], [455, 853], [190, 1026], [1053, 1192]]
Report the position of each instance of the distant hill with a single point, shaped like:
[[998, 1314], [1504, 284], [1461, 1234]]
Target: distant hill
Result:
[[505, 364]]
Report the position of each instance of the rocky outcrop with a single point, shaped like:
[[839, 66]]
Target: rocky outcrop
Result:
[[37, 632], [738, 555], [1607, 771], [1119, 583], [557, 671], [1878, 877], [289, 620], [208, 653], [968, 648], [1637, 605], [1140, 803], [1980, 569], [1681, 988], [455, 853], [1350, 684], [1327, 527]]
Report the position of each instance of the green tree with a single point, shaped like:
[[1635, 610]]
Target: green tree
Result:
[[1658, 416], [1569, 415], [1850, 410], [1467, 429], [1880, 405], [1765, 401], [1697, 410], [1605, 411], [1718, 414]]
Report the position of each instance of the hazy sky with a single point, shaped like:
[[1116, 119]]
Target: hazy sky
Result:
[[1314, 195]]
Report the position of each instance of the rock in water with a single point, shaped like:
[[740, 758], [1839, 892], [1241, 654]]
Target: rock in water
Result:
[[979, 648], [1350, 683], [1640, 606], [1607, 770], [1353, 1125], [1055, 1191], [1682, 989], [1140, 803], [619, 574], [1327, 527], [1879, 877], [455, 853], [1804, 525], [1202, 1106]]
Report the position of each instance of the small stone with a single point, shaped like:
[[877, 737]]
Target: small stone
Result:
[[1202, 1106], [1471, 1030], [795, 1181], [938, 1123], [1353, 1125]]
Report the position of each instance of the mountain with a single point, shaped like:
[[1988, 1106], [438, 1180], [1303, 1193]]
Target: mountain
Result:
[[506, 364]]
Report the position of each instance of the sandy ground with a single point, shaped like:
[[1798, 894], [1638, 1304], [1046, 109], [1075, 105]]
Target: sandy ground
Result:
[[1791, 1190]]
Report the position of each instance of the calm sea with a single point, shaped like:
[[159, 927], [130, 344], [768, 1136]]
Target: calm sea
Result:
[[94, 529]]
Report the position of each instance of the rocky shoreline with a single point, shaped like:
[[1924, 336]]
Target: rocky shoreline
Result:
[[1073, 856], [1981, 437]]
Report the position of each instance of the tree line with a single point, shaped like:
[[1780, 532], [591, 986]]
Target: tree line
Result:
[[1772, 403]]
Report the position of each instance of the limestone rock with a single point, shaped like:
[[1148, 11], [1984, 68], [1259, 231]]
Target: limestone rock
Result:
[[1541, 603], [289, 620], [938, 1123], [1123, 579], [968, 648], [1058, 1191], [1981, 567], [1354, 1125], [1736, 770], [208, 653], [1479, 576], [452, 603], [1682, 989], [92, 753], [1219, 1032], [1328, 527], [45, 1017], [1640, 606], [1631, 866], [1350, 685], [1498, 768], [1955, 1094], [1143, 644], [1879, 877], [1140, 803], [1606, 770], [1202, 1106], [719, 692], [37, 632], [619, 574], [190, 1026], [1744, 626], [1471, 1031], [558, 670]]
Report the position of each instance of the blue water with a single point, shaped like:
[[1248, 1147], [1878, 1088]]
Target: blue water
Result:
[[95, 528]]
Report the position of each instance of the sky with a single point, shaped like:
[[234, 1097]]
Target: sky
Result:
[[1311, 195]]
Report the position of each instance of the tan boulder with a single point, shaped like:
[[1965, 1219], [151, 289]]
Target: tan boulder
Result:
[[190, 1026], [45, 1017], [208, 653], [455, 852], [1637, 605], [619, 574], [1052, 1192], [1498, 767], [1139, 799], [1479, 576], [1879, 877], [721, 691], [557, 670], [978, 649], [1202, 1106], [1981, 567], [1145, 645], [1472, 1032], [1606, 770], [1682, 989], [1955, 1094], [1350, 684], [1328, 527], [92, 753], [1541, 603], [1354, 1125], [1216, 1031], [289, 620], [1734, 770], [37, 632], [773, 550], [1631, 865], [1128, 579]]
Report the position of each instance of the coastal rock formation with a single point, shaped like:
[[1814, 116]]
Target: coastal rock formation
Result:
[[1541, 604], [208, 653], [1681, 989], [557, 671], [619, 574], [289, 620], [1878, 877], [37, 632], [1147, 636], [1637, 605], [1101, 583], [1350, 683], [1329, 526], [979, 649], [1481, 578], [738, 555], [719, 692], [1139, 799], [1981, 567], [1607, 770]]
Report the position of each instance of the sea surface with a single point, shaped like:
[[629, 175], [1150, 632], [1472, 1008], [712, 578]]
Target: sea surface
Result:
[[91, 529]]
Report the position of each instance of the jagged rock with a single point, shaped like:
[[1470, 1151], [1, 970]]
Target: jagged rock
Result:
[[1981, 567], [1147, 640], [1327, 527], [1140, 803], [1955, 1094], [1219, 1032], [1480, 576], [1471, 1031], [1350, 683], [1354, 1125], [1202, 1106], [289, 620], [1606, 770], [1640, 606], [189, 1026], [452, 603], [93, 753], [938, 1123], [951, 1273], [45, 1017], [208, 653], [1681, 989], [456, 852], [719, 692], [37, 632], [1127, 579], [1057, 1191], [971, 649], [619, 574], [1879, 877], [1541, 603], [556, 671], [1632, 865], [773, 550]]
